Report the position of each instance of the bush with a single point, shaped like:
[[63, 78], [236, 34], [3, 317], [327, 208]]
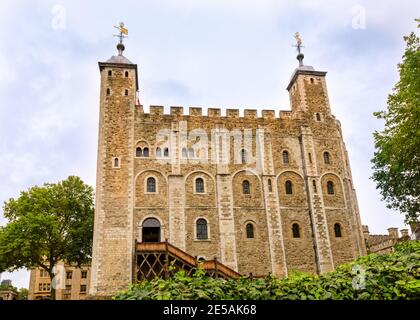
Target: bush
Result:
[[373, 277]]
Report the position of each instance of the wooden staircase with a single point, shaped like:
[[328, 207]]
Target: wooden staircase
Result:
[[161, 259]]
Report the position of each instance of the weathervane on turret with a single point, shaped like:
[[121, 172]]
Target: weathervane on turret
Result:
[[299, 46], [123, 34]]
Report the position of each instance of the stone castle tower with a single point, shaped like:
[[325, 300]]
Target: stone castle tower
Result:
[[262, 194]]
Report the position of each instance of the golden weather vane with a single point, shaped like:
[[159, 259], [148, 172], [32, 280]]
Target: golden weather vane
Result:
[[123, 31], [298, 41]]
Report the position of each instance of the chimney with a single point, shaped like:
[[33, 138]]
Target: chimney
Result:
[[393, 232], [404, 233], [365, 231]]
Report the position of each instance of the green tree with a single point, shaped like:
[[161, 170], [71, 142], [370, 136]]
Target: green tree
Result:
[[23, 294], [396, 161], [46, 225]]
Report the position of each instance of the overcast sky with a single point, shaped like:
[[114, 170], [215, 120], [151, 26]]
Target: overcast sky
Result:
[[211, 53]]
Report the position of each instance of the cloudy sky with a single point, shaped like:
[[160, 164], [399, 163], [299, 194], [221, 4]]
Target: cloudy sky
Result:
[[210, 53]]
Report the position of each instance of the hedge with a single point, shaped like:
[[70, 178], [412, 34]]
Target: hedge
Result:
[[373, 277]]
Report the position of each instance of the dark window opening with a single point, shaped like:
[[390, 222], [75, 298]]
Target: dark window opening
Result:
[[138, 152], [199, 185], [109, 73], [285, 156], [116, 162], [126, 92], [151, 184], [337, 230], [126, 74], [330, 187], [108, 92], [270, 186], [326, 157], [202, 229], [289, 187], [151, 230], [246, 187], [243, 156], [250, 231], [166, 152], [296, 230], [318, 117], [146, 152], [314, 185]]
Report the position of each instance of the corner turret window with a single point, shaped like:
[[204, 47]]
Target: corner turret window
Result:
[[295, 230], [116, 163], [289, 187], [337, 230], [109, 73], [126, 74], [285, 157], [250, 231]]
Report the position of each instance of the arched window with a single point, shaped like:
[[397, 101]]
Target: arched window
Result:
[[245, 187], [109, 73], [326, 157], [330, 187], [158, 152], [116, 162], [285, 156], [151, 184], [289, 187], [295, 230], [146, 152], [270, 186], [126, 92], [250, 231], [166, 152], [184, 153], [243, 156], [318, 117], [138, 152], [190, 153], [202, 229], [108, 92], [337, 230], [199, 185], [126, 74], [312, 80]]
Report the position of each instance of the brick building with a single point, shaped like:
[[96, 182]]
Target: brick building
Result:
[[261, 193]]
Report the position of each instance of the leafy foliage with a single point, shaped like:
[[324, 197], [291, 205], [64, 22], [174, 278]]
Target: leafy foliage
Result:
[[392, 276], [396, 162], [48, 224]]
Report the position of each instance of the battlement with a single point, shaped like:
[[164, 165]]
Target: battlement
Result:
[[178, 111]]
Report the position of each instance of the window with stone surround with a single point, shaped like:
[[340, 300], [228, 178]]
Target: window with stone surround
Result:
[[82, 288], [151, 185], [138, 152], [327, 157], [330, 187], [318, 116], [246, 189], [296, 230], [289, 187], [201, 229], [166, 152], [126, 74], [116, 163], [243, 156], [270, 186], [250, 231], [146, 152], [199, 185], [84, 274], [285, 155]]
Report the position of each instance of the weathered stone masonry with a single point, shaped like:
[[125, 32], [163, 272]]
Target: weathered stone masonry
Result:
[[321, 207]]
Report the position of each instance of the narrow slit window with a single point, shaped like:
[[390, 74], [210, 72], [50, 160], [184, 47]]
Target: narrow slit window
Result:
[[337, 230], [314, 185], [116, 162], [270, 186], [166, 152], [246, 187], [296, 230], [126, 74], [318, 117], [330, 187], [243, 156], [250, 231], [126, 92], [289, 187], [285, 157]]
